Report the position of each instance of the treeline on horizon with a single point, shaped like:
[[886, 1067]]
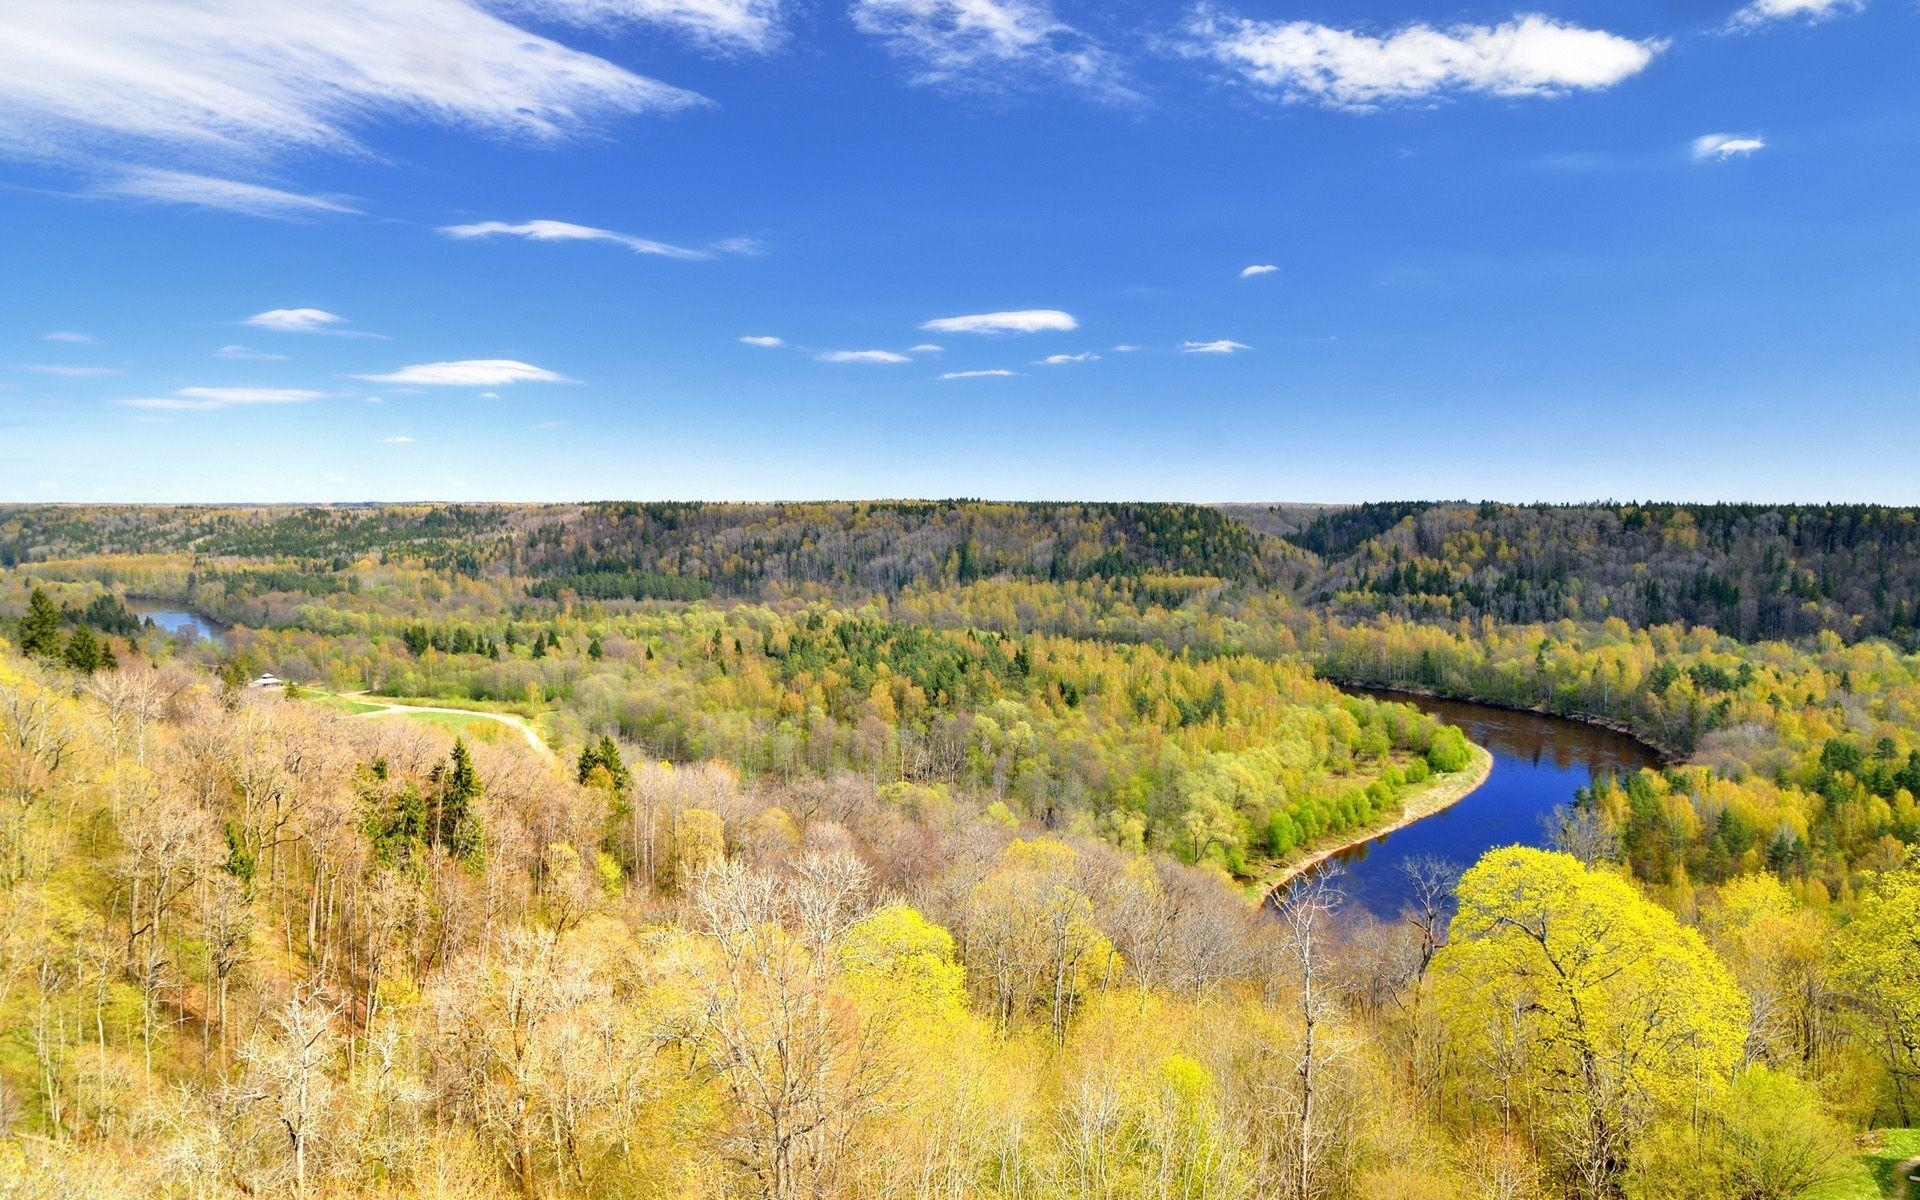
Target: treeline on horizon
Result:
[[1753, 572]]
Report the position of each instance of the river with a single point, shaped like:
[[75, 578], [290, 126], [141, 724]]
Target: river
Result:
[[179, 622], [1539, 763]]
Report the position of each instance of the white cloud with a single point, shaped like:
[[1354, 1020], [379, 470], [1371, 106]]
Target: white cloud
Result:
[[227, 195], [862, 356], [469, 372], [244, 80], [399, 440], [295, 320], [206, 399], [73, 372], [1719, 147], [756, 25], [1061, 360], [995, 42], [489, 395], [1530, 55], [1258, 269], [1223, 346], [926, 348], [564, 231], [1031, 320], [995, 373], [747, 247], [75, 339], [1767, 12], [1124, 349], [334, 477], [243, 352], [765, 342]]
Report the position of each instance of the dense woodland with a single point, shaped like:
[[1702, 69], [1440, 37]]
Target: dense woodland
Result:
[[913, 850]]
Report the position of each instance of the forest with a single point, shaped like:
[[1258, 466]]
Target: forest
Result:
[[921, 849]]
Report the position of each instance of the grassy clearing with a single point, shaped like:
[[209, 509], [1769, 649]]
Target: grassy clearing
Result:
[[1875, 1173], [474, 725]]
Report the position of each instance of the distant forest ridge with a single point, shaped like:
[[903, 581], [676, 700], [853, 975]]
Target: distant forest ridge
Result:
[[1750, 571]]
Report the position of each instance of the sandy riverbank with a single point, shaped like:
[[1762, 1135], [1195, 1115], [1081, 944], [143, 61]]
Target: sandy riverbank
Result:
[[1444, 792]]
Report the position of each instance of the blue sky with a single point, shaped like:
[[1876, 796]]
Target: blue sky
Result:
[[398, 249]]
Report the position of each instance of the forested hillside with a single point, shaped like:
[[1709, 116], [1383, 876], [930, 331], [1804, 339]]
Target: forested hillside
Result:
[[1750, 571]]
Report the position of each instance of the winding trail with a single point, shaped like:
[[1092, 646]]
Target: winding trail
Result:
[[525, 730]]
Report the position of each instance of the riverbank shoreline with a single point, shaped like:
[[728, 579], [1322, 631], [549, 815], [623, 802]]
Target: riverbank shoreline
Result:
[[1666, 754], [1443, 793]]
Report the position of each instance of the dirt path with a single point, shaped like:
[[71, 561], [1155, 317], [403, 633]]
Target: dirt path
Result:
[[1903, 1175], [526, 731]]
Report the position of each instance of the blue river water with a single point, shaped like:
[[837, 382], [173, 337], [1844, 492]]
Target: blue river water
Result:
[[1539, 763]]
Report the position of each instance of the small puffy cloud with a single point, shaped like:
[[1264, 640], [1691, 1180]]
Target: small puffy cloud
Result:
[[397, 440], [489, 395], [207, 399], [1026, 320], [1061, 360], [926, 348], [1222, 346], [226, 195], [67, 372], [1768, 12], [1305, 62], [295, 320], [767, 342], [69, 337], [469, 372], [862, 356], [566, 231], [995, 373], [1123, 348], [1718, 147], [1257, 270], [243, 352]]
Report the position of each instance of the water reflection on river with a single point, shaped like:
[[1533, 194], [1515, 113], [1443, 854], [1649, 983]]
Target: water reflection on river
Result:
[[178, 621], [1538, 763]]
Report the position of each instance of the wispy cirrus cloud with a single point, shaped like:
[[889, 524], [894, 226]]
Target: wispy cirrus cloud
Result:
[[1718, 147], [469, 372], [862, 356], [1762, 13], [1028, 320], [1061, 360], [397, 440], [65, 371], [766, 343], [226, 195], [70, 338], [993, 373], [152, 80], [1222, 346], [206, 399], [566, 231], [725, 25], [991, 43], [241, 352], [1306, 62]]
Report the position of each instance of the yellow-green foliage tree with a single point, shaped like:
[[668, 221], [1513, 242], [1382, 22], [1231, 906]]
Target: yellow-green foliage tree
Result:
[[1581, 1010], [1877, 962]]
